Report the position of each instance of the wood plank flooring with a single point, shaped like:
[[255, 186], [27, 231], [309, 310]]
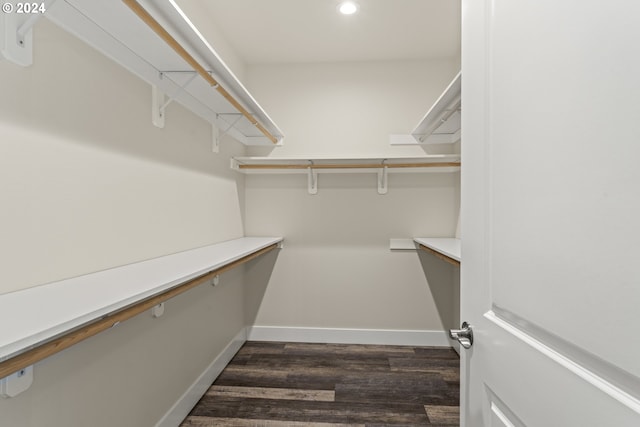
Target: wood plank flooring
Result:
[[329, 385]]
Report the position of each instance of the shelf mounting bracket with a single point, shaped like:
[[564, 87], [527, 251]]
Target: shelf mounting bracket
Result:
[[215, 138], [238, 118], [16, 38], [383, 179], [312, 179], [16, 383], [157, 112], [217, 134], [215, 281], [158, 310], [16, 31], [159, 103]]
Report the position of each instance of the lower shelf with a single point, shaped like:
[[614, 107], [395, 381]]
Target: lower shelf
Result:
[[446, 248], [49, 318]]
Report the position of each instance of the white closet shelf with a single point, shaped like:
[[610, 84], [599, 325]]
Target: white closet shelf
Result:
[[43, 315], [448, 248], [115, 30], [442, 123], [301, 165]]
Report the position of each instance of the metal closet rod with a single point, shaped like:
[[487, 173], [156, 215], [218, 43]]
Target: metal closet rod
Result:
[[173, 43], [68, 339]]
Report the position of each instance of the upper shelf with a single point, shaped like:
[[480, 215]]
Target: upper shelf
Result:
[[114, 29], [312, 166], [441, 124]]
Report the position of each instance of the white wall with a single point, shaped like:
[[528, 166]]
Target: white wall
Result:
[[198, 12], [87, 183], [336, 270], [348, 108]]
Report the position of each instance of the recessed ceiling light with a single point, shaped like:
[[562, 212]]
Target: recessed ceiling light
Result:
[[348, 7]]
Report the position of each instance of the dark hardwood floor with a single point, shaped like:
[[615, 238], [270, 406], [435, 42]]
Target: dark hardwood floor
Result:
[[292, 384]]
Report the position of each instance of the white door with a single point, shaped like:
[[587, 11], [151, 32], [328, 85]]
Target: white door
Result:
[[550, 269]]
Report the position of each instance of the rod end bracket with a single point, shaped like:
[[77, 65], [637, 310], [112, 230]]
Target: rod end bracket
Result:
[[16, 383]]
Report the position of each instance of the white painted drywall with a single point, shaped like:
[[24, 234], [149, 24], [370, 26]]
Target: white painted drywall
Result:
[[199, 13], [336, 270], [88, 183], [348, 108]]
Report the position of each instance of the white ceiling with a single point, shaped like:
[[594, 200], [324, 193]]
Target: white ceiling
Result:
[[294, 31]]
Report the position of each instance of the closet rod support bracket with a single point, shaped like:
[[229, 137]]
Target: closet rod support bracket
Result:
[[160, 102], [312, 180], [16, 383], [215, 281], [158, 310], [236, 118], [16, 37], [215, 138], [157, 112], [383, 180], [16, 30]]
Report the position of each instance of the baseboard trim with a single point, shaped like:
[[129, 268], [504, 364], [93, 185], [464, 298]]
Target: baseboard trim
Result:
[[349, 336], [188, 400]]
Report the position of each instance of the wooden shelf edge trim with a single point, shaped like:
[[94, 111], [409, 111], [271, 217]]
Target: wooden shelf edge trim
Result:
[[440, 255], [49, 348], [182, 52], [351, 166]]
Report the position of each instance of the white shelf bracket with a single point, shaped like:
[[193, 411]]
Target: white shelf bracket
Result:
[[238, 116], [215, 138], [215, 281], [157, 112], [16, 30], [16, 383], [16, 39], [312, 180], [158, 310], [383, 180], [158, 102]]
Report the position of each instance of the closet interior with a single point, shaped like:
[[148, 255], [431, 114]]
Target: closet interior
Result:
[[162, 218]]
